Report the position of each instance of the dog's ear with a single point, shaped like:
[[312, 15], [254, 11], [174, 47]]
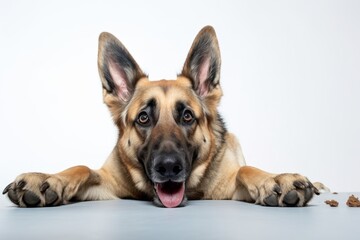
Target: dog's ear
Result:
[[118, 70], [202, 65]]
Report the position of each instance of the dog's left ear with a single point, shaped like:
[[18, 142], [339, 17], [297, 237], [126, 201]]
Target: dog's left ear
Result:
[[202, 65]]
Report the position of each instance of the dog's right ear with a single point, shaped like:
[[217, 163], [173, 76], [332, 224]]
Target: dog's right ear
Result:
[[118, 70]]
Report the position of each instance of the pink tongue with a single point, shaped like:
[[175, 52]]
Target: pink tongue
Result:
[[170, 194]]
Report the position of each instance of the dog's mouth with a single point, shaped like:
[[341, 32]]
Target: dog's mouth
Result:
[[171, 194]]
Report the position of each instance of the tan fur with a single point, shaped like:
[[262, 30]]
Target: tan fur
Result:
[[219, 172]]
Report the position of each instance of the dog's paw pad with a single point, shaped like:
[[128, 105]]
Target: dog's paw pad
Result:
[[291, 198], [50, 197], [271, 200], [13, 196], [30, 199]]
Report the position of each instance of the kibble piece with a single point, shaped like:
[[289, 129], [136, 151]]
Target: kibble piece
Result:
[[332, 203], [353, 201]]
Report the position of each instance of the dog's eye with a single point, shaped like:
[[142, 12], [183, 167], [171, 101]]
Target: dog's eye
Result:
[[188, 117], [143, 119]]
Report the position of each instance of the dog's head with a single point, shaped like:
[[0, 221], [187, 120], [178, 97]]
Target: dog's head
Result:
[[169, 130]]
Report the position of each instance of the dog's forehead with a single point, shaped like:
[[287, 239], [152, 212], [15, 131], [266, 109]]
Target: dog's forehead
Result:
[[166, 93], [180, 82]]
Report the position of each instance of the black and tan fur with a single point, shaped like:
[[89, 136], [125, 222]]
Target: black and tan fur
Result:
[[170, 132]]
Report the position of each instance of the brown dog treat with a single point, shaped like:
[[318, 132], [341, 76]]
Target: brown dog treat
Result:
[[335, 193], [332, 203], [353, 201]]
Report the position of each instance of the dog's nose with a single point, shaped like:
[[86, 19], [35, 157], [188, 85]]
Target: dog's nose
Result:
[[169, 166]]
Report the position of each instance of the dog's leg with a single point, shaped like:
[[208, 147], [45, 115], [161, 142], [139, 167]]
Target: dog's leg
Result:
[[269, 189], [40, 189]]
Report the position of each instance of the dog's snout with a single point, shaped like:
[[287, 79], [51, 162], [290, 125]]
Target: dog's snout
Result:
[[168, 166]]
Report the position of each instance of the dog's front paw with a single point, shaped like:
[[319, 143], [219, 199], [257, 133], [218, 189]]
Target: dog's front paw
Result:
[[286, 190], [35, 190]]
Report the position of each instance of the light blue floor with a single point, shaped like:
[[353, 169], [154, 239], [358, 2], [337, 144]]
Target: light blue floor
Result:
[[129, 219]]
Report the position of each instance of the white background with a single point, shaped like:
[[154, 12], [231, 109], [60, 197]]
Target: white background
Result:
[[290, 75]]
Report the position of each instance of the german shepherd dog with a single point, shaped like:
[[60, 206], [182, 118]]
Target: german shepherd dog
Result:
[[172, 143]]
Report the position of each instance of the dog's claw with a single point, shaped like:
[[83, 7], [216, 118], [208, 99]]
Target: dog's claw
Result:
[[277, 189], [7, 188], [316, 191], [308, 194], [299, 185], [44, 186], [20, 184]]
